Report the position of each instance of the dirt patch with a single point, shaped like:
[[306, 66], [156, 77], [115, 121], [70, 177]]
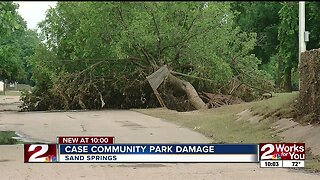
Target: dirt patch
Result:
[[307, 134], [4, 160], [284, 124], [248, 116]]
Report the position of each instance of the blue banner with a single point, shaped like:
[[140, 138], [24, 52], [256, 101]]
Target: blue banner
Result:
[[158, 149]]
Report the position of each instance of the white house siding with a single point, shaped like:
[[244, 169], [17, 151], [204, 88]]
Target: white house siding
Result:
[[1, 86]]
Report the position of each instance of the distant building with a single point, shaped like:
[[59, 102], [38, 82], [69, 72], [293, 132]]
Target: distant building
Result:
[[1, 86], [12, 86]]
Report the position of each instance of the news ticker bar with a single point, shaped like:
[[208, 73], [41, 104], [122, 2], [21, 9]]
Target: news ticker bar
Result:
[[158, 149], [140, 153], [103, 149], [158, 153]]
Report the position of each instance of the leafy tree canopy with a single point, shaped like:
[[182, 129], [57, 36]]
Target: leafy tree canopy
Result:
[[12, 33]]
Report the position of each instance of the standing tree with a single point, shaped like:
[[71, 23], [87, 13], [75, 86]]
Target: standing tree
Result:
[[263, 19], [26, 43], [12, 28], [288, 37]]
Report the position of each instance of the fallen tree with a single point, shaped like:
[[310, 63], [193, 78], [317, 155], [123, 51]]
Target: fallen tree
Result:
[[162, 74], [191, 93], [89, 61]]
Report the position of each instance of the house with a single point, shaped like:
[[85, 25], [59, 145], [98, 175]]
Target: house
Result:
[[1, 86], [4, 87]]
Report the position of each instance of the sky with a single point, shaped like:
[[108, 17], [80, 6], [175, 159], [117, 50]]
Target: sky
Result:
[[33, 12]]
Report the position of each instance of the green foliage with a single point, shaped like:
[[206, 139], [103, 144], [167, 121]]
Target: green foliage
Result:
[[6, 137], [15, 50], [288, 32], [9, 19], [109, 48], [276, 25], [263, 19], [27, 43], [313, 24], [16, 44], [288, 35], [10, 66], [288, 38], [42, 69]]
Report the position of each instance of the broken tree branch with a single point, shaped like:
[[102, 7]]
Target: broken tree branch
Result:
[[195, 77]]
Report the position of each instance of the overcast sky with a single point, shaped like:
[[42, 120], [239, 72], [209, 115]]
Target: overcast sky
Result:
[[33, 12]]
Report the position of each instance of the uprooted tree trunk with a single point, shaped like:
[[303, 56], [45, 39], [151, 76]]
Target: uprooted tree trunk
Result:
[[191, 93]]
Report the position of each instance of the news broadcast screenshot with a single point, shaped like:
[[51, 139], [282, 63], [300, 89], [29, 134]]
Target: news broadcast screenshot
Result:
[[159, 90]]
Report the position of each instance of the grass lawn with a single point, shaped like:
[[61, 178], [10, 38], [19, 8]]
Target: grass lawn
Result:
[[6, 137], [219, 124], [277, 105]]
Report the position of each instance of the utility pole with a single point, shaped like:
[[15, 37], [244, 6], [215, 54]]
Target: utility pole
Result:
[[302, 33]]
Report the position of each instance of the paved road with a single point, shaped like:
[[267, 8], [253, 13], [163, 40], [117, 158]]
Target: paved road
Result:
[[9, 103], [127, 127]]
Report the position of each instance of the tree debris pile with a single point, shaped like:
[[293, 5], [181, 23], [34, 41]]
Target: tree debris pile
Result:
[[239, 89], [175, 99], [72, 91], [309, 96], [80, 91], [218, 100]]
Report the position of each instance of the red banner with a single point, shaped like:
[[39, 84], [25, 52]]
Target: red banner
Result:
[[86, 140]]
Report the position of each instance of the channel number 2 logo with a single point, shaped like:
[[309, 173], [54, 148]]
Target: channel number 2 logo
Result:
[[267, 150], [46, 153]]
